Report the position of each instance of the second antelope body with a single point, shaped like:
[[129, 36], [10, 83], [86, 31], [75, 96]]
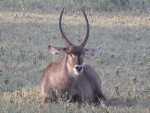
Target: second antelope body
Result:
[[80, 81]]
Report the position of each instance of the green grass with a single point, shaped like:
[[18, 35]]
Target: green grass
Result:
[[99, 5], [123, 64]]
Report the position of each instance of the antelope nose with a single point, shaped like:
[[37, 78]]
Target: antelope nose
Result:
[[78, 67]]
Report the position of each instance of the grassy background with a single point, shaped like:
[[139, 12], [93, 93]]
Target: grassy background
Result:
[[98, 5], [27, 27]]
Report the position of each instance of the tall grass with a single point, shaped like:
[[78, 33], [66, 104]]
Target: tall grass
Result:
[[99, 5], [123, 64]]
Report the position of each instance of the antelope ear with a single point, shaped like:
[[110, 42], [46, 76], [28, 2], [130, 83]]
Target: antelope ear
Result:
[[91, 51], [58, 50]]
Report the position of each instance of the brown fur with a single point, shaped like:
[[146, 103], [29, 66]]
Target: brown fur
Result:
[[81, 82], [60, 76], [87, 87]]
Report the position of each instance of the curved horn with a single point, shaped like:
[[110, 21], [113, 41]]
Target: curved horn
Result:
[[83, 43], [61, 31]]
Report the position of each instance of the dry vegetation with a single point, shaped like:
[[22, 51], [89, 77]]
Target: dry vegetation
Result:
[[123, 64]]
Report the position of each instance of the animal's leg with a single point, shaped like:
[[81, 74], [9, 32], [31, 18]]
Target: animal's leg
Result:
[[76, 97], [48, 94], [101, 96]]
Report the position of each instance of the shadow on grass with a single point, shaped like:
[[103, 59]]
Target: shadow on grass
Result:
[[122, 102]]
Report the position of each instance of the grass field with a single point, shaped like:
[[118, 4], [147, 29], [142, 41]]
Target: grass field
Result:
[[123, 64]]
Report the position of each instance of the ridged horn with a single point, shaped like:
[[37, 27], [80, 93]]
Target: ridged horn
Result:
[[83, 43], [61, 31]]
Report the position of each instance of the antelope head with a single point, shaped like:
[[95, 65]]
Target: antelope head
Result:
[[74, 53]]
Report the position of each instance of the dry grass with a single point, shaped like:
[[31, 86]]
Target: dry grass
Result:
[[123, 64]]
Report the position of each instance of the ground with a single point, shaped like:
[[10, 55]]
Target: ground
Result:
[[123, 64]]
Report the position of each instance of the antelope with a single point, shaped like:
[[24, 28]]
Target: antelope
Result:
[[80, 81]]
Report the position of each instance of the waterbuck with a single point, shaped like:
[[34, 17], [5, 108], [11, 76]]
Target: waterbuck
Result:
[[70, 75]]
